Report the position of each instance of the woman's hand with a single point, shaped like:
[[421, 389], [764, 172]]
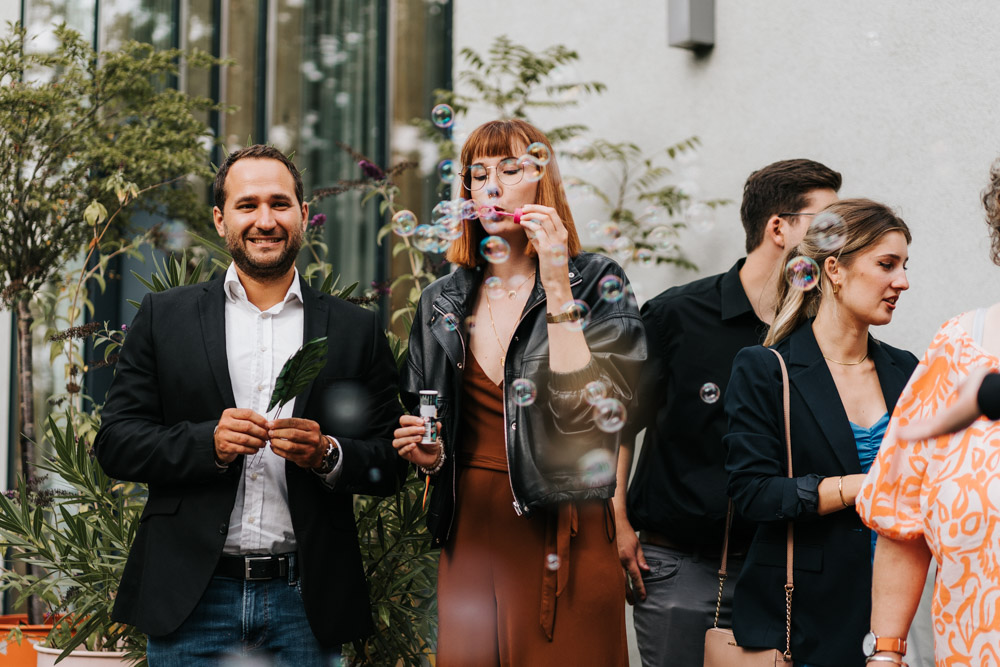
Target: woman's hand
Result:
[[962, 412], [548, 235], [406, 441]]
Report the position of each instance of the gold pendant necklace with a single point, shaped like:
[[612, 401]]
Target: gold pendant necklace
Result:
[[511, 294], [503, 350]]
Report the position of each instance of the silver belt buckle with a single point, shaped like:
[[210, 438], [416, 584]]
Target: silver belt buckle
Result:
[[248, 567]]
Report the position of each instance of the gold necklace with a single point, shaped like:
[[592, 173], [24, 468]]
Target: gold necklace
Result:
[[511, 294], [503, 350], [847, 363]]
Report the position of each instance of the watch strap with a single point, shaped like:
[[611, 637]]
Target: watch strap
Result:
[[891, 644]]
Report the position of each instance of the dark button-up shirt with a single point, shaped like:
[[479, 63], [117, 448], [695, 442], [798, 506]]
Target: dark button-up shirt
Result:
[[693, 332]]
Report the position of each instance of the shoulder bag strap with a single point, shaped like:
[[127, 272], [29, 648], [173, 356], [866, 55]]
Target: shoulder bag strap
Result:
[[789, 584]]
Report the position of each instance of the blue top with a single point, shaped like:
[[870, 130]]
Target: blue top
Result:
[[868, 441]]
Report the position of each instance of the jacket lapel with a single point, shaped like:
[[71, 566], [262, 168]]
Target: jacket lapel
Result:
[[315, 312], [810, 377], [212, 309], [891, 377]]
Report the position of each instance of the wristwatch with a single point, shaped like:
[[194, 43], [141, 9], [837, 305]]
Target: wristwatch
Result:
[[872, 644], [330, 458]]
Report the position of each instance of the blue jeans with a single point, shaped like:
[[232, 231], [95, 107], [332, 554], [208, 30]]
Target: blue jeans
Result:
[[237, 619]]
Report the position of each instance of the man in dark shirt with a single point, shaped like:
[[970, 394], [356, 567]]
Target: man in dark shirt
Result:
[[677, 501]]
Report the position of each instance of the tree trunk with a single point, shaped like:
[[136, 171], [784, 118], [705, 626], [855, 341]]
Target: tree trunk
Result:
[[26, 438], [26, 389]]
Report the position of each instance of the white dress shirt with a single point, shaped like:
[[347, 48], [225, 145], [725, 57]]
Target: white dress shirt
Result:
[[257, 345]]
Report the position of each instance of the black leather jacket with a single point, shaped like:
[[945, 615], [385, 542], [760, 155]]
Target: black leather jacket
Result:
[[545, 440]]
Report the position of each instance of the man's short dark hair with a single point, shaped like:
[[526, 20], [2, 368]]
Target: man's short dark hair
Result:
[[781, 187], [257, 151]]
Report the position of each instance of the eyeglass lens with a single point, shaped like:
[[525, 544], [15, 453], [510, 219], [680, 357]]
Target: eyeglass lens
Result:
[[509, 172]]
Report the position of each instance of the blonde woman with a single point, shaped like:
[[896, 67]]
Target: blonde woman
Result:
[[843, 385]]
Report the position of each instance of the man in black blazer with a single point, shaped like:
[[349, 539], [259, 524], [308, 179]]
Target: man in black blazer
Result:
[[248, 540]]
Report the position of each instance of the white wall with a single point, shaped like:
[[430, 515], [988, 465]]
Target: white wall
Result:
[[897, 96]]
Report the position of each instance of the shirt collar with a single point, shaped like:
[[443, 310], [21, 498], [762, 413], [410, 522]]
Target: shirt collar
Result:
[[235, 293], [733, 296]]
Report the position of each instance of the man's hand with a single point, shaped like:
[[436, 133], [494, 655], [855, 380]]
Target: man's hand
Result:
[[630, 553], [298, 440], [240, 431]]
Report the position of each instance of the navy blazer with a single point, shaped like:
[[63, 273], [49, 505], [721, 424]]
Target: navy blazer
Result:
[[170, 389], [831, 604]]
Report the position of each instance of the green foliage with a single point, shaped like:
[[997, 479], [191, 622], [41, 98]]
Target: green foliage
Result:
[[173, 271], [78, 535], [82, 133], [513, 80], [402, 578], [648, 235], [299, 372]]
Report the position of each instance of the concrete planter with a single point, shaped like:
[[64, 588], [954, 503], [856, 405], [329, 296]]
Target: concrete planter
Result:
[[47, 658]]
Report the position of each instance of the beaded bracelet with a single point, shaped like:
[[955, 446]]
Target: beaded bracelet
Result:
[[438, 464]]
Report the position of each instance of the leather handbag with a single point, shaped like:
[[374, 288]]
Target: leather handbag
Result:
[[721, 649]]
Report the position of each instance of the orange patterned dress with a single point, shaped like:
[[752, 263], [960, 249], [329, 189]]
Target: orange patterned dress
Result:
[[946, 490]]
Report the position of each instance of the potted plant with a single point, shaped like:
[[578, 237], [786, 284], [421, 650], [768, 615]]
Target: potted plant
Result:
[[78, 535]]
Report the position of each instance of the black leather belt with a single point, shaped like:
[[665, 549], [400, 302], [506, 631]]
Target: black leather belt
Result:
[[253, 568]]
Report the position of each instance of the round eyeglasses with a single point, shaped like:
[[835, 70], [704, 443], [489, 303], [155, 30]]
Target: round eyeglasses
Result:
[[509, 171]]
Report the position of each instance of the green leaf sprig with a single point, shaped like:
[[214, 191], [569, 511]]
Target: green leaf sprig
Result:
[[298, 372]]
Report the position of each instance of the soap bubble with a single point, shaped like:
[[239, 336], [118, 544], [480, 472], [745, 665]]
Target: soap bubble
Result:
[[598, 467], [552, 562], [488, 213], [802, 273], [654, 215], [709, 393], [609, 415], [621, 248], [450, 322], [470, 324], [443, 116], [660, 237], [829, 231], [450, 229], [374, 475], [495, 288], [581, 313], [595, 391], [425, 238], [610, 287], [443, 208], [607, 232], [494, 249], [533, 170], [467, 209], [644, 256], [558, 255], [524, 391], [404, 223], [701, 217], [540, 152], [594, 226], [447, 171]]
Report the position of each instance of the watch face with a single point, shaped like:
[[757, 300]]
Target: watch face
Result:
[[868, 644]]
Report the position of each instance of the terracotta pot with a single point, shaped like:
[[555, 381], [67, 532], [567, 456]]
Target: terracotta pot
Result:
[[47, 658], [13, 654]]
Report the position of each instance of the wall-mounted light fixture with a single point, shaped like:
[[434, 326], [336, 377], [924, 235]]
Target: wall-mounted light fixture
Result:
[[691, 24]]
